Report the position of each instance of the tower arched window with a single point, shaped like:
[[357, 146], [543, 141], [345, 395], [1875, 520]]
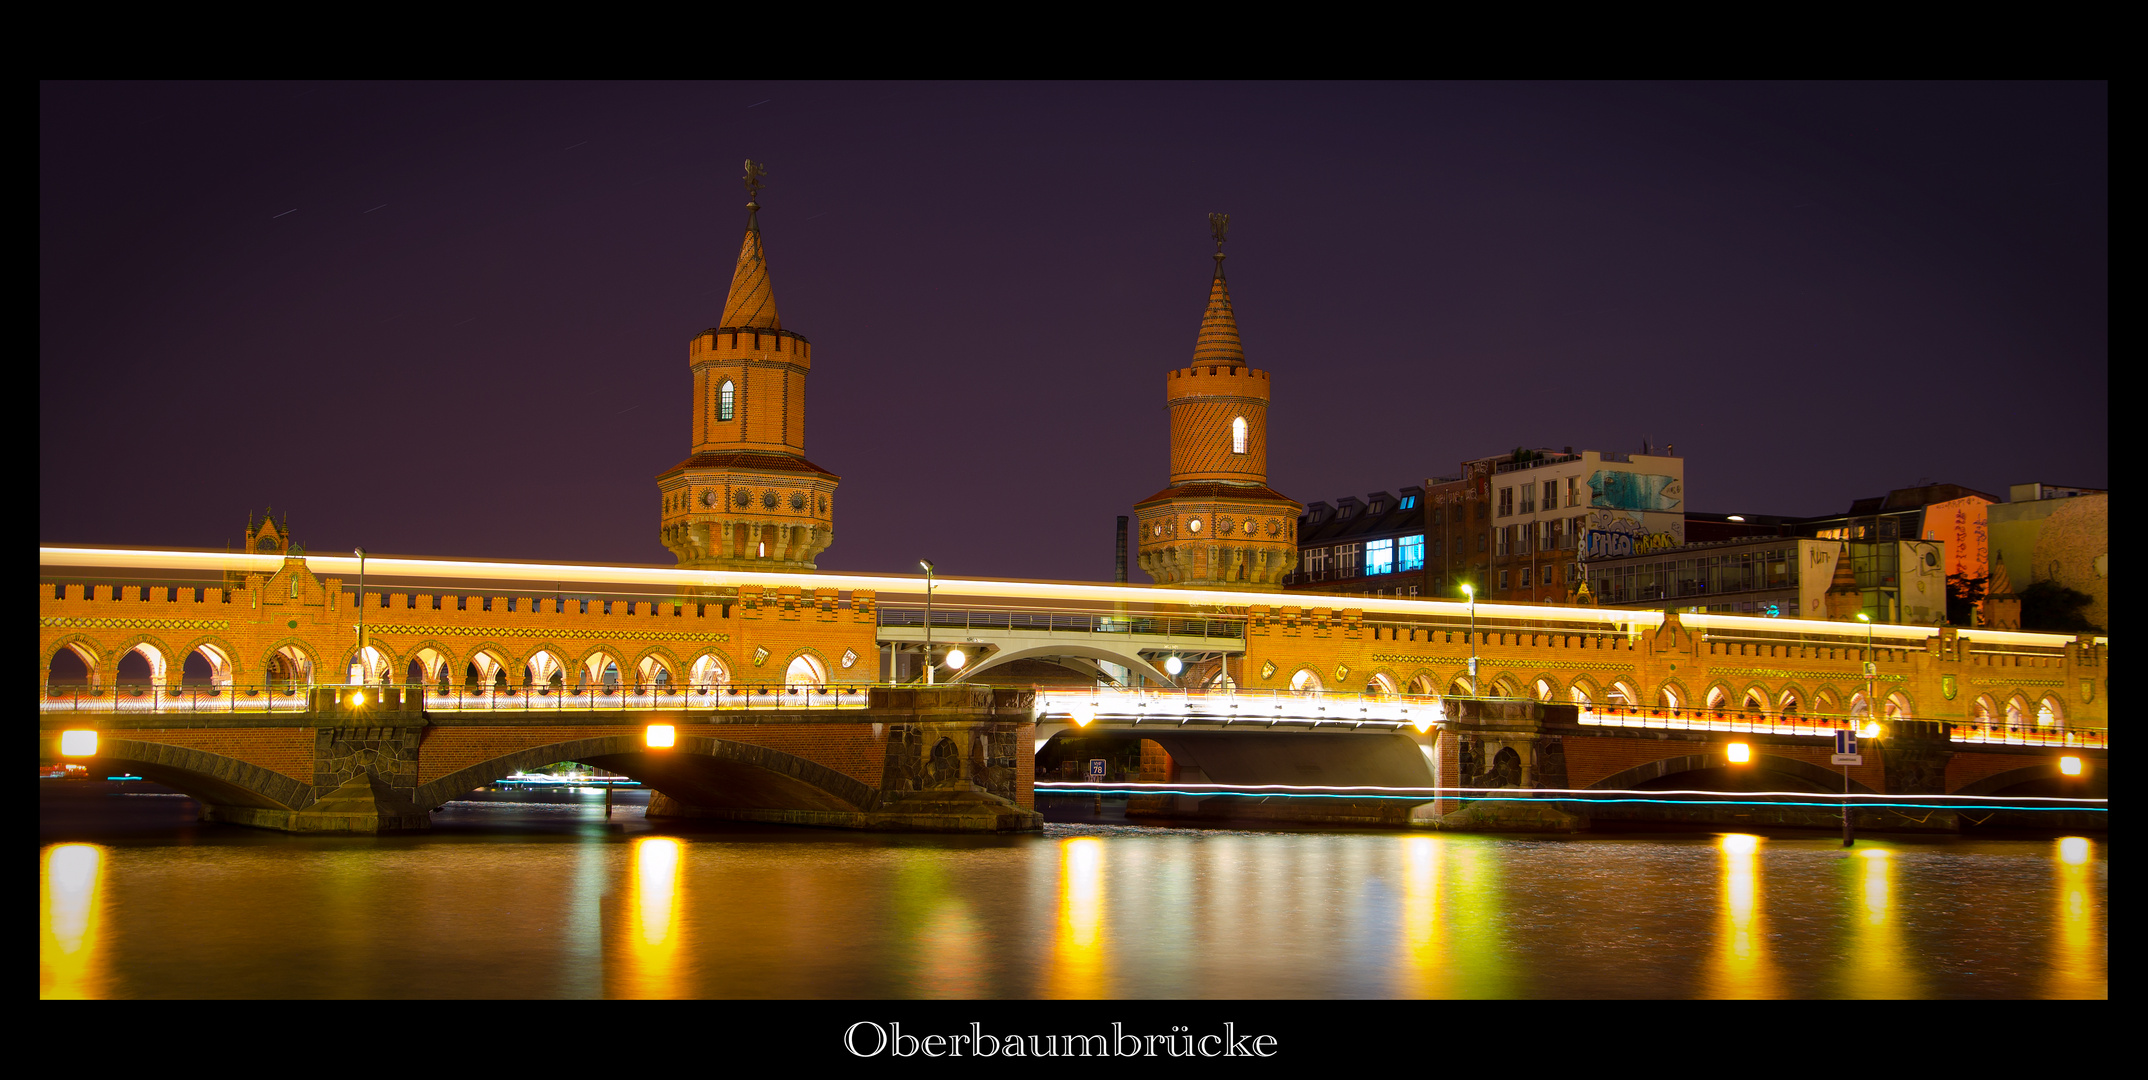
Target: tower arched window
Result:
[[1238, 435], [726, 401]]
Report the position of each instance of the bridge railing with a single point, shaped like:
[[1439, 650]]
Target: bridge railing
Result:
[[1061, 622], [147, 699], [714, 698], [1824, 724], [163, 699], [1165, 704]]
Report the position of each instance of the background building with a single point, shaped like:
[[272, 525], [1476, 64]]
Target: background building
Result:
[[1375, 545], [2046, 532], [1551, 511]]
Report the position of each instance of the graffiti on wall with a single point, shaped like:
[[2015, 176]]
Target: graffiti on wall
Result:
[[1608, 535], [1961, 524], [1635, 491]]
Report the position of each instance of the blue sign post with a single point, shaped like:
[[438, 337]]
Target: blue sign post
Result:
[[1846, 755]]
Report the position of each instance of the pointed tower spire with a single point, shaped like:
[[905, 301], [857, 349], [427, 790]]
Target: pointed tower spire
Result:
[[752, 302], [1218, 342]]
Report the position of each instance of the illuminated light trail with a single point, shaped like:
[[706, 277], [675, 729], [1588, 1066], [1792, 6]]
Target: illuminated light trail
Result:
[[1141, 787], [1626, 620], [1794, 798]]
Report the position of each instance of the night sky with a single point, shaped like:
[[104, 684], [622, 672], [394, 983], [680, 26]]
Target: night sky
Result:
[[453, 320]]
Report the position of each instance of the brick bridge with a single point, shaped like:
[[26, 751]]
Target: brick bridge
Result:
[[229, 676]]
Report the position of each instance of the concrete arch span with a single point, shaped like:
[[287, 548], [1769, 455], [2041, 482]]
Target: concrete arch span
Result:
[[1255, 755], [1087, 652], [700, 772], [212, 780], [2044, 778], [1766, 772]]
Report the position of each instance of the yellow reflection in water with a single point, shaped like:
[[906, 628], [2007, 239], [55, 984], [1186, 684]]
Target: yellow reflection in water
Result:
[[1078, 950], [1878, 964], [1475, 913], [1742, 968], [938, 927], [1423, 971], [653, 940], [2080, 964], [70, 916]]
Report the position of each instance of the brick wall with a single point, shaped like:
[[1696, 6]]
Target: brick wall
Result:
[[286, 751]]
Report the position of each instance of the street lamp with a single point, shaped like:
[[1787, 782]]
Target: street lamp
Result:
[[360, 552], [927, 564], [1871, 680], [1472, 594]]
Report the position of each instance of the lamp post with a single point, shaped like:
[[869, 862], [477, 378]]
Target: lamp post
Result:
[[1472, 594], [360, 552], [927, 564], [1871, 688]]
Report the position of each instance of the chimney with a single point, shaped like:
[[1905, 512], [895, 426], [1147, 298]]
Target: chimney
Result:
[[1118, 573]]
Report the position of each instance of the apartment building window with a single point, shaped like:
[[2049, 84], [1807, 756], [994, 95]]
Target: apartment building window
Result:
[[1528, 498], [1503, 580], [1439, 515], [1346, 560], [1504, 536], [1506, 502], [1546, 535], [1480, 543], [1547, 573], [1409, 502], [1316, 560], [1482, 507], [1439, 547], [1556, 536], [1573, 496], [1551, 494], [1528, 538], [1410, 554], [1379, 557]]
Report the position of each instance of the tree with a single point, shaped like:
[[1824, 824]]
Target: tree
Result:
[[1963, 594], [2048, 605]]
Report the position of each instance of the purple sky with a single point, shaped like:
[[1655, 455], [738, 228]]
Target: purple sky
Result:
[[452, 320]]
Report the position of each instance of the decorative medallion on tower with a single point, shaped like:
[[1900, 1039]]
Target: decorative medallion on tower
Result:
[[748, 499], [1218, 526]]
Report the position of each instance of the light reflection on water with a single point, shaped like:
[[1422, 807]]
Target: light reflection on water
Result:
[[579, 907]]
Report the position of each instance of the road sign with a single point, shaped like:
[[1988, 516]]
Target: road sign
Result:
[[1096, 769], [1845, 741], [1847, 759]]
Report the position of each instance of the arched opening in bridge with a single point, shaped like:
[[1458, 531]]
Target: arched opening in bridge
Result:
[[1580, 694], [1789, 703], [70, 670], [544, 670], [427, 667], [2017, 712], [367, 666], [140, 668], [653, 675], [289, 668], [1718, 698], [1860, 709], [1668, 697], [708, 673], [1305, 681], [1897, 707], [1545, 691], [599, 671], [206, 666], [1621, 694], [1421, 686], [1460, 688], [2050, 714], [1505, 688], [805, 673], [1985, 711], [1381, 685], [1755, 702], [484, 672]]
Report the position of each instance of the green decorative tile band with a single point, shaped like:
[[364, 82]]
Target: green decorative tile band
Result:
[[574, 634]]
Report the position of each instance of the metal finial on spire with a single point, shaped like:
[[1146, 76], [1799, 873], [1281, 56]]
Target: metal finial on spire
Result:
[[755, 171], [1218, 225]]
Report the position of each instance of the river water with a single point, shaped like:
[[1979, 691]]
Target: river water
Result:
[[550, 900]]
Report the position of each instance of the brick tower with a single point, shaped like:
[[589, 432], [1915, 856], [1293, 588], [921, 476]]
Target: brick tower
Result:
[[1218, 526], [747, 499]]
